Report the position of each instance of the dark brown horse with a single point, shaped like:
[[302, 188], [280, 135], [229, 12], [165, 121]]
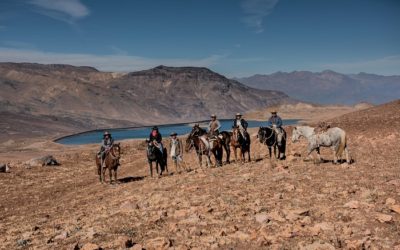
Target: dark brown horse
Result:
[[199, 140], [243, 144], [154, 155], [111, 162], [225, 137]]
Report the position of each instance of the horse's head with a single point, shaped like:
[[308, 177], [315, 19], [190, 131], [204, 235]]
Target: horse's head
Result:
[[189, 143], [296, 134], [116, 150], [261, 134], [235, 132]]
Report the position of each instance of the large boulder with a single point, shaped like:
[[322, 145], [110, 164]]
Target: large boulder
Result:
[[4, 168], [47, 160]]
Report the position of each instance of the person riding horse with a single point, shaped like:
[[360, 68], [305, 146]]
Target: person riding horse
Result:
[[242, 125], [156, 138], [213, 129], [106, 145], [213, 126], [275, 122]]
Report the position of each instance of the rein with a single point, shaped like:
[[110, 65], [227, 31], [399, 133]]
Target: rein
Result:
[[113, 157]]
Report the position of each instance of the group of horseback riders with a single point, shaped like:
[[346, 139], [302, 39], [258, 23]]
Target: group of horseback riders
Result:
[[275, 122]]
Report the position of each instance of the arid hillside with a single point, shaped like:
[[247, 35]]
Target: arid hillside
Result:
[[329, 87], [76, 99], [263, 204]]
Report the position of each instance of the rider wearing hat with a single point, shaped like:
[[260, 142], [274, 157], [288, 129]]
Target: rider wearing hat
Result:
[[106, 145], [242, 124], [214, 126], [175, 149], [275, 122], [156, 138]]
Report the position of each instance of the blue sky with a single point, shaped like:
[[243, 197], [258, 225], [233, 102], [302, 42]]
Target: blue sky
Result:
[[232, 37]]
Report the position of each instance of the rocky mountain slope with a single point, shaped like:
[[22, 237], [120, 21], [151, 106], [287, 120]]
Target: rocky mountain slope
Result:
[[91, 99], [329, 87], [264, 204]]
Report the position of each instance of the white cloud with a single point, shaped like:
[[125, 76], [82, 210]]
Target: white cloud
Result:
[[64, 10], [113, 63], [389, 65], [255, 12]]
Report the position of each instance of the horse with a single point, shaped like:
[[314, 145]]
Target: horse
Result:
[[334, 137], [268, 136], [225, 137], [237, 141], [111, 162], [198, 139], [154, 155]]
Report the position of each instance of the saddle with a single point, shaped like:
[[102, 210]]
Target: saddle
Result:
[[322, 127]]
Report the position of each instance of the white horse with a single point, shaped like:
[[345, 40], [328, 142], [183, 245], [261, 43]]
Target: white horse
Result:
[[333, 137]]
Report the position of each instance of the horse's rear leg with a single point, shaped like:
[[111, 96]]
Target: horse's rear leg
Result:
[[110, 173], [115, 175], [228, 153], [348, 157]]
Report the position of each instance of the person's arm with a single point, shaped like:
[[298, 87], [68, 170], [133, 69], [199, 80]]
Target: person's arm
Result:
[[245, 124], [269, 122], [279, 122], [218, 126]]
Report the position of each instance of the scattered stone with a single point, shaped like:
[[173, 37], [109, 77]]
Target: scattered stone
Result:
[[90, 246], [22, 242], [275, 216], [261, 218], [62, 236], [123, 242], [317, 246], [137, 247], [390, 201], [384, 218], [352, 204], [158, 243], [395, 208]]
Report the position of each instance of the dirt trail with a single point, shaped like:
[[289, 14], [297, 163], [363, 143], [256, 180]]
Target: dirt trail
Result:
[[262, 204]]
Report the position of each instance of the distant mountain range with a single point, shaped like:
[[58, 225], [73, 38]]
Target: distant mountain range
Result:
[[329, 87], [86, 98]]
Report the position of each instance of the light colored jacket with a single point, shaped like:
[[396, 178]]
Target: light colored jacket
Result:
[[178, 147]]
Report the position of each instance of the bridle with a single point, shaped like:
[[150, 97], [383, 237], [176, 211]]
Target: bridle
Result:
[[113, 156], [263, 130]]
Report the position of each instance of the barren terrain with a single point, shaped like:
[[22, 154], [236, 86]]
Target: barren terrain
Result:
[[266, 203]]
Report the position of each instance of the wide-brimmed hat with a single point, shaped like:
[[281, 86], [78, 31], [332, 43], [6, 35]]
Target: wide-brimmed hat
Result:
[[274, 111], [106, 133], [173, 133], [155, 128], [238, 114], [213, 115]]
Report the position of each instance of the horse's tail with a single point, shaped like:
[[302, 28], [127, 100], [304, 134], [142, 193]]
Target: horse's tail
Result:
[[342, 145]]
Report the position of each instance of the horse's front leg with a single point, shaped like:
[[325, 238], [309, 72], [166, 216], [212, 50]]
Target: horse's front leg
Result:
[[110, 174], [248, 154], [235, 153], [151, 168], [115, 175], [270, 152], [103, 173], [200, 157]]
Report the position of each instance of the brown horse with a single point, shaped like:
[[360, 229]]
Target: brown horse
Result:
[[111, 162], [238, 142], [199, 140]]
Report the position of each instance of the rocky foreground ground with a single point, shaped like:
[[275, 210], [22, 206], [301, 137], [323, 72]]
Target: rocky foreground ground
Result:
[[264, 204]]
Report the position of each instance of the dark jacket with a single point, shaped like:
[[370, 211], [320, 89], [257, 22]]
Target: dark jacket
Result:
[[106, 144], [275, 120], [157, 138], [242, 122]]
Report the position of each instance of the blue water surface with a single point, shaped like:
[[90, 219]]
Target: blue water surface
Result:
[[143, 132]]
